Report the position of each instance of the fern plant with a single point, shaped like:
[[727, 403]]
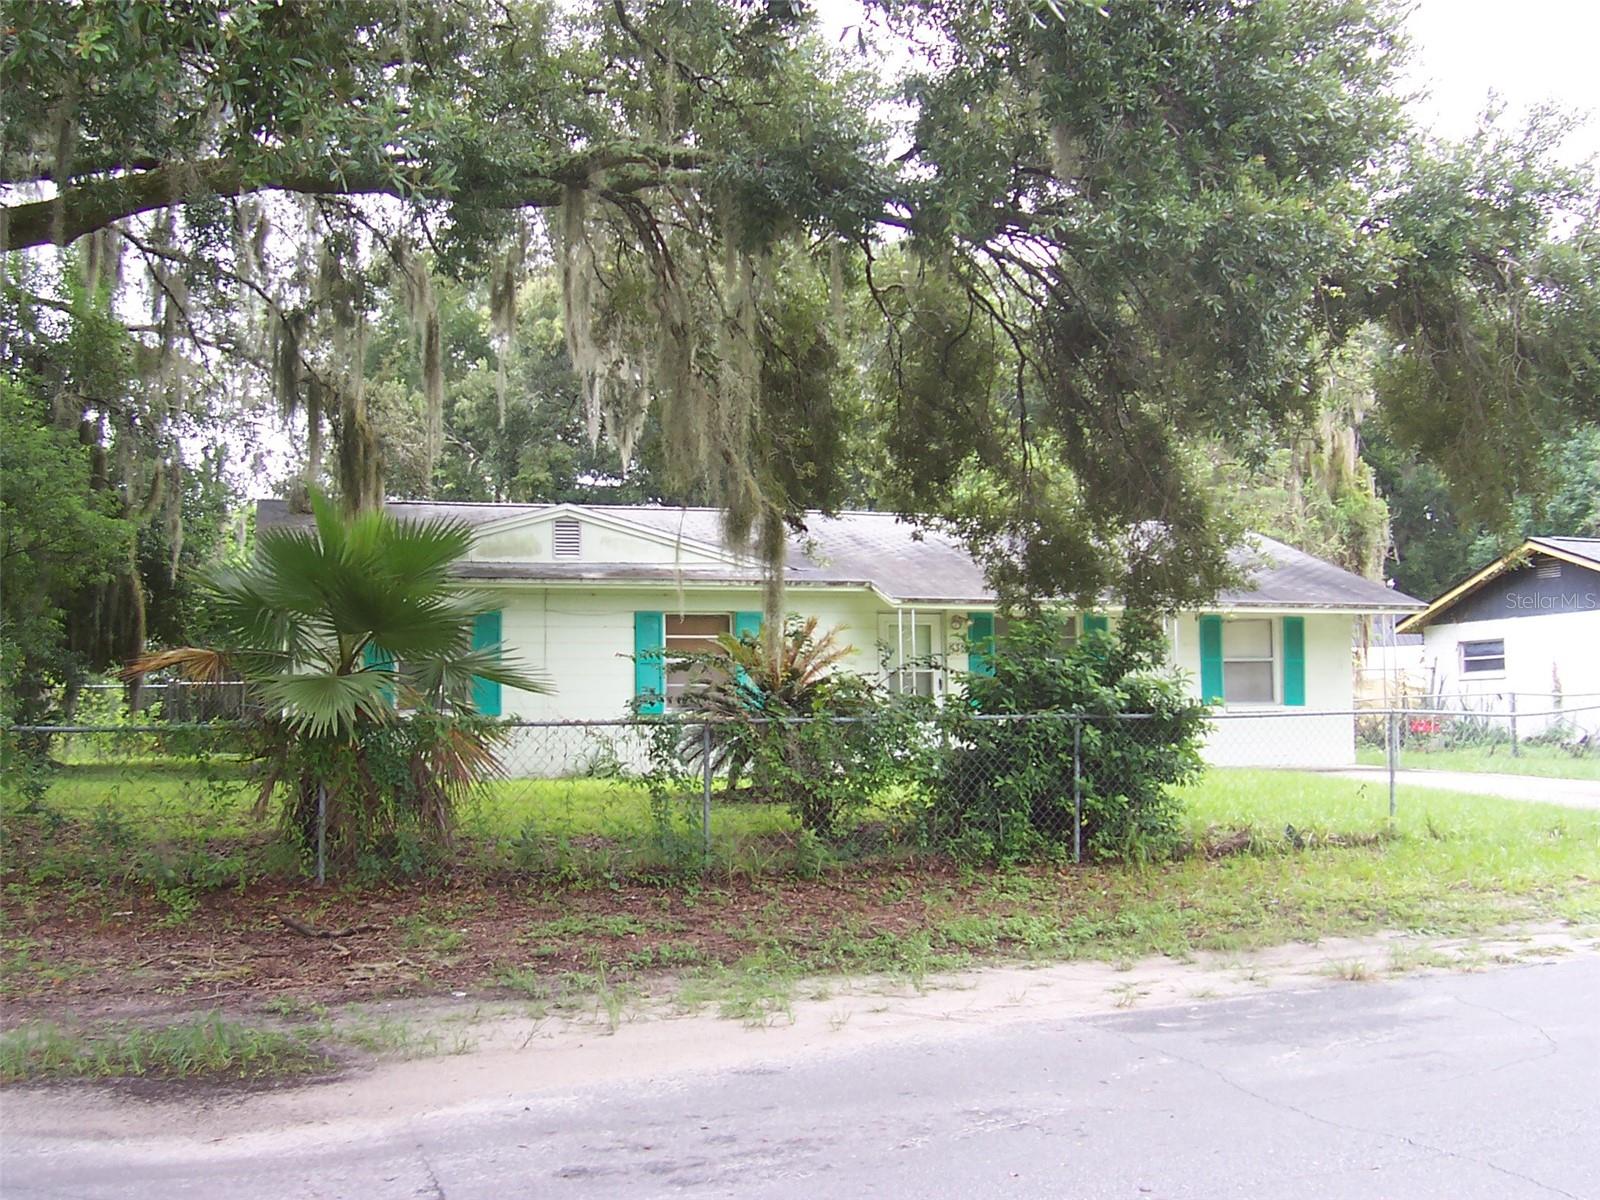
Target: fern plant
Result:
[[785, 723]]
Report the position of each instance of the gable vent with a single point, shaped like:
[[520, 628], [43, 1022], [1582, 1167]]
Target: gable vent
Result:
[[568, 538], [1549, 570]]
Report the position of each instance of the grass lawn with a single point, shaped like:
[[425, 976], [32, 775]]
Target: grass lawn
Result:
[[1548, 761], [157, 886]]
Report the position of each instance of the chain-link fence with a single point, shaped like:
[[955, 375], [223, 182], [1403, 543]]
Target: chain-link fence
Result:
[[614, 798], [1519, 733]]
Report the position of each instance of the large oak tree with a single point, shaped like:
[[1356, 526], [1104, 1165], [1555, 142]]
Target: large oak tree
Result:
[[1108, 237]]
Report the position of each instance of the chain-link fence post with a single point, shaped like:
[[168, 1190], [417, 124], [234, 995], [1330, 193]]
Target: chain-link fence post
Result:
[[1077, 789], [1394, 753], [1516, 750], [322, 834], [705, 788]]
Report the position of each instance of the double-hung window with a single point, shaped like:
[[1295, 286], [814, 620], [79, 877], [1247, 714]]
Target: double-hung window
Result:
[[1067, 639], [688, 634], [1483, 658], [1249, 672]]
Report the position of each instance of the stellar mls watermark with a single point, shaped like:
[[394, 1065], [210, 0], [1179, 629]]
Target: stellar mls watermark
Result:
[[1570, 602]]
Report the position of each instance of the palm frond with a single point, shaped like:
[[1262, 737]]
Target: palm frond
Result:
[[424, 551], [195, 663], [324, 703], [451, 678]]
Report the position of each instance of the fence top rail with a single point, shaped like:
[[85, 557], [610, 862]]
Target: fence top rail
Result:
[[163, 727], [1264, 714], [165, 683]]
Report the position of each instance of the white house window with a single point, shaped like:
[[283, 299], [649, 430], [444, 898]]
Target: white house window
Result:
[[1069, 632], [1067, 640], [1249, 672], [1483, 658], [568, 538], [688, 634]]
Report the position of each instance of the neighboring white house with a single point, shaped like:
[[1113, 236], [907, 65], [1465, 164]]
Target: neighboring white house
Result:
[[1389, 671], [584, 588], [1526, 626]]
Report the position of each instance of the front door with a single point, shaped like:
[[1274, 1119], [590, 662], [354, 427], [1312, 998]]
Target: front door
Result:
[[911, 647]]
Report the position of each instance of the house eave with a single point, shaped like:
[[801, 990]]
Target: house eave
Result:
[[524, 575], [1512, 559]]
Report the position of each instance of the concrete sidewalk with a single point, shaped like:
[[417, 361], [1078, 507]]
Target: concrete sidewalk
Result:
[[1572, 793]]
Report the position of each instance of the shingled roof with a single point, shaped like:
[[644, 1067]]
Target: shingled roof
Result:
[[874, 550]]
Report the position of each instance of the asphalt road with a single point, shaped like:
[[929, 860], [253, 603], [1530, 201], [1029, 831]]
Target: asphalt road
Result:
[[1457, 1086]]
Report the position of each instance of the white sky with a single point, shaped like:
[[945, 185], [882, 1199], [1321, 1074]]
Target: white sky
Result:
[[1526, 51]]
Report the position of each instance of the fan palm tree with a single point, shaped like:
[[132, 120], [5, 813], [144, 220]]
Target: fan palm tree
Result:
[[357, 648]]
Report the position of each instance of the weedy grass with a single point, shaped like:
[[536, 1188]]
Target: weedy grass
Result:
[[1307, 856], [1324, 860], [208, 1047]]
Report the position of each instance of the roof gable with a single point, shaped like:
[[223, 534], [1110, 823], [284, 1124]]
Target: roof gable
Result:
[[603, 536], [1581, 552]]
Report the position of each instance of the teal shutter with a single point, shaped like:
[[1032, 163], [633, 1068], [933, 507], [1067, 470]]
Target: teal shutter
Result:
[[980, 643], [374, 659], [649, 670], [1211, 659], [1096, 623], [486, 636], [1294, 661]]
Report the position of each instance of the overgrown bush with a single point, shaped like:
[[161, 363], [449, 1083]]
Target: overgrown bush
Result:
[[1000, 785]]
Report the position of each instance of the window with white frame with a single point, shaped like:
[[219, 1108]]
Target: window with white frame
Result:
[[1067, 640], [911, 654], [689, 634], [1249, 670], [1483, 657]]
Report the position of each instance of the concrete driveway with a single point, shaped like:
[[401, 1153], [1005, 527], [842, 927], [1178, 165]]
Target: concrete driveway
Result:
[[1442, 1086], [1572, 793]]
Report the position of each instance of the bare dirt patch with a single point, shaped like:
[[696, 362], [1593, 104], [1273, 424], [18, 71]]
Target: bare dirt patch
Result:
[[123, 953]]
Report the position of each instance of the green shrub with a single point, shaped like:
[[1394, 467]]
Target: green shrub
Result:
[[1000, 783], [392, 787]]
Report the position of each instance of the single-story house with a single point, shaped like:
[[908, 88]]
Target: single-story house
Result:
[[1525, 625], [584, 588]]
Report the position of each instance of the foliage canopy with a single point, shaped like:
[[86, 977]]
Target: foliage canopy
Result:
[[1046, 276]]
